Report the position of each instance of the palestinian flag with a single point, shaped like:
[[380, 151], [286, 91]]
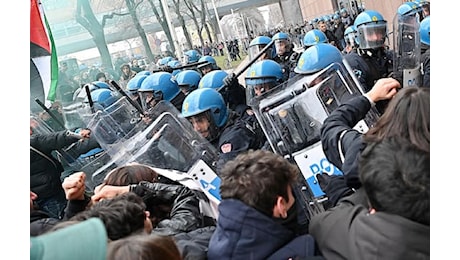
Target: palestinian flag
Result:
[[43, 58]]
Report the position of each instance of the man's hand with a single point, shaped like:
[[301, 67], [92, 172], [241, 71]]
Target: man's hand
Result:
[[107, 191], [85, 133], [384, 88], [74, 186]]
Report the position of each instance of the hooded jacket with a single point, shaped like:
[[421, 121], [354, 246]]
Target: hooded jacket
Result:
[[244, 233]]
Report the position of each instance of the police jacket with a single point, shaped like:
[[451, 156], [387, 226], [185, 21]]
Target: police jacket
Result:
[[185, 213], [342, 144], [45, 170], [240, 134], [370, 65], [244, 233], [348, 231], [288, 62]]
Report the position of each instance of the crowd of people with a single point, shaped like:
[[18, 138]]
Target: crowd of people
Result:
[[255, 139]]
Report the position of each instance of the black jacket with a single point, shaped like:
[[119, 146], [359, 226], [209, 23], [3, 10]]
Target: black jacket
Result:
[[369, 66], [185, 212], [240, 134], [341, 122], [45, 175], [348, 231]]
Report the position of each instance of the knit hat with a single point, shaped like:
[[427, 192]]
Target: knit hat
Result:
[[86, 240]]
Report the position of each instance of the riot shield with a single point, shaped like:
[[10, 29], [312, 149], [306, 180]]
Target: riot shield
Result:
[[291, 116], [170, 143], [407, 55]]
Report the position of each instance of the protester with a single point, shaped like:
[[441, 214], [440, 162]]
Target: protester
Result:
[[256, 196], [143, 247], [407, 116], [389, 218], [45, 169]]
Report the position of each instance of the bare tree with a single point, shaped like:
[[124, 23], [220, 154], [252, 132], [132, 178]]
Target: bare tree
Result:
[[164, 24], [85, 16], [193, 9], [177, 7], [132, 6]]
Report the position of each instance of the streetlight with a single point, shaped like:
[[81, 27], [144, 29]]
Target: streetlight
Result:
[[172, 29]]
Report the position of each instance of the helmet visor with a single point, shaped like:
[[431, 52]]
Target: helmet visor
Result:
[[281, 46], [372, 36], [255, 50]]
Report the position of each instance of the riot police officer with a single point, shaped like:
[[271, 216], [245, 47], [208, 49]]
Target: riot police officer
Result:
[[372, 60], [207, 111], [285, 54], [188, 80]]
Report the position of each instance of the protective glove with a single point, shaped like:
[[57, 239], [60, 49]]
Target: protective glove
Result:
[[230, 80], [334, 186]]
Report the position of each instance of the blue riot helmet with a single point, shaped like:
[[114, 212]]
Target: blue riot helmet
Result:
[[257, 44], [174, 64], [98, 85], [188, 80], [351, 37], [282, 43], [209, 103], [103, 98], [425, 31], [336, 17], [208, 65], [143, 72], [407, 8], [213, 79], [261, 77], [80, 93], [156, 87], [314, 37], [134, 84], [191, 56], [164, 61], [317, 58], [372, 29]]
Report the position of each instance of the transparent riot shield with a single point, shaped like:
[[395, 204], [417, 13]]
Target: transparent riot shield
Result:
[[291, 116], [116, 124], [407, 56], [171, 143]]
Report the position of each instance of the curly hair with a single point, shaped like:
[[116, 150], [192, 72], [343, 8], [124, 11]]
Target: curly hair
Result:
[[257, 178]]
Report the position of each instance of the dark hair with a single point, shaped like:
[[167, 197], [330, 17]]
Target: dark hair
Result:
[[395, 174], [143, 247], [408, 116], [122, 215], [135, 173], [130, 174], [257, 178]]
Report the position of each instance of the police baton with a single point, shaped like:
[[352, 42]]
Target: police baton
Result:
[[123, 93], [195, 64], [90, 100], [50, 113], [254, 59]]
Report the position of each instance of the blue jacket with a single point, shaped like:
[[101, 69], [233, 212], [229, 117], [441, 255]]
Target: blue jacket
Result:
[[244, 233]]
